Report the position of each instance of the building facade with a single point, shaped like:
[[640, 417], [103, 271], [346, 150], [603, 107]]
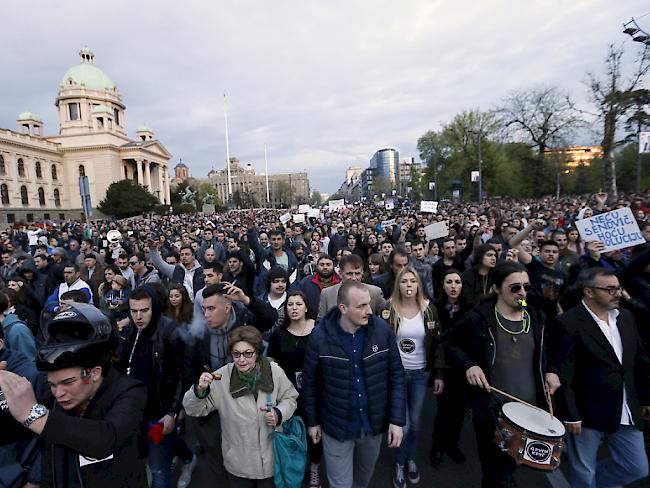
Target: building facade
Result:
[[385, 164], [39, 174], [181, 173], [249, 188]]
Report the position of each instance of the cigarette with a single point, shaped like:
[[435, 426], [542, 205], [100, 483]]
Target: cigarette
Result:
[[216, 376], [208, 370]]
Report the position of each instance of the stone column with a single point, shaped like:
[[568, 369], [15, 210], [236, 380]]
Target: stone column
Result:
[[147, 175], [161, 188], [168, 199], [138, 164]]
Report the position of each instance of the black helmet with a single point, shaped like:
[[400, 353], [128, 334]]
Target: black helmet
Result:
[[78, 336]]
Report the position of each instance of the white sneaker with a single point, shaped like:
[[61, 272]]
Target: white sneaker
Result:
[[186, 473]]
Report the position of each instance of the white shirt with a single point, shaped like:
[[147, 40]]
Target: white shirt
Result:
[[610, 330], [410, 341]]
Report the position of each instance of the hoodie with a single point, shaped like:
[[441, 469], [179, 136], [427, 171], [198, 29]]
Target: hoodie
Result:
[[18, 337]]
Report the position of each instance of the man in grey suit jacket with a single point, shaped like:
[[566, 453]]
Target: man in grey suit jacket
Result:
[[351, 270]]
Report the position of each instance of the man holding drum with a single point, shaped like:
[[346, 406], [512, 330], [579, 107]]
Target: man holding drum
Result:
[[605, 373], [500, 343]]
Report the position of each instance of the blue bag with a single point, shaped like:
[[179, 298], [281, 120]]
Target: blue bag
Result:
[[290, 453]]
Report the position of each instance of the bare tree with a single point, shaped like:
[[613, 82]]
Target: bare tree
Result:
[[544, 117], [612, 96]]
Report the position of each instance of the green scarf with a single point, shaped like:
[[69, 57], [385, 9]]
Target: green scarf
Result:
[[257, 379]]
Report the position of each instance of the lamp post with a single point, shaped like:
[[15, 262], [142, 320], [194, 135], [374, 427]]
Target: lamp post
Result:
[[480, 162]]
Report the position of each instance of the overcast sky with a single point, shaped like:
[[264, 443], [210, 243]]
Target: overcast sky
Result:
[[323, 83]]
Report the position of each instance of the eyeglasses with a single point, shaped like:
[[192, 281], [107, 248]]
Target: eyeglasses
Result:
[[246, 354], [516, 287], [612, 290]]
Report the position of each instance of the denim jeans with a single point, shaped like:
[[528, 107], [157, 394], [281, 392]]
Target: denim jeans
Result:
[[160, 460], [626, 462], [417, 381]]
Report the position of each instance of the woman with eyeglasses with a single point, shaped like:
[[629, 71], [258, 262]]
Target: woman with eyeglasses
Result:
[[287, 346], [500, 343], [253, 396], [414, 321]]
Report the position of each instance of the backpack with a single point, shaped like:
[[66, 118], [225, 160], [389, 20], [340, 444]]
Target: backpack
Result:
[[290, 453]]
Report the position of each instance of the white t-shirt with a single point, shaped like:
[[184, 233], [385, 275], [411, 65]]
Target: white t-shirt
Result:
[[410, 341], [277, 304]]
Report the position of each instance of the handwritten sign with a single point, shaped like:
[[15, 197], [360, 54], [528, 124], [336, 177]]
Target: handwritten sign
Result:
[[304, 208], [313, 212], [336, 204], [616, 229], [437, 230], [298, 218], [428, 206], [285, 218], [386, 223]]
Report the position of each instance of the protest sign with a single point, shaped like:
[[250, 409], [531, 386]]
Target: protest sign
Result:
[[285, 218], [390, 205], [437, 230], [616, 229], [298, 218], [386, 223], [313, 212], [428, 206], [304, 208], [336, 204]]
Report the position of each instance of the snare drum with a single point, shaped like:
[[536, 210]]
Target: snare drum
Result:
[[530, 436]]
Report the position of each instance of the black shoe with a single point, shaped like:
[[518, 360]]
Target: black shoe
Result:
[[456, 455], [435, 457]]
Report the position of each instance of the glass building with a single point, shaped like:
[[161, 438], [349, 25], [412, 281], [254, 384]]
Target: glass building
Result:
[[385, 163]]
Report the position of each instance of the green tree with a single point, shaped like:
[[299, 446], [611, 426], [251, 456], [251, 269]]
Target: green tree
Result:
[[125, 198], [316, 198]]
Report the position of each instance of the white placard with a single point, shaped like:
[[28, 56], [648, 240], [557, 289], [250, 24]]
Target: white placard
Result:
[[304, 208], [616, 229], [336, 204], [390, 205], [313, 212], [432, 185], [644, 143], [428, 206], [386, 223], [285, 218], [298, 218], [475, 176], [437, 230]]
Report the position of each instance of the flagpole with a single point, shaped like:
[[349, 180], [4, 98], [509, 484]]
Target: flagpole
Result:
[[266, 172], [225, 116]]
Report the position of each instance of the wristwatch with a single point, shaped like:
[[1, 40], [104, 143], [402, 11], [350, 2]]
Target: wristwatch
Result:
[[35, 413]]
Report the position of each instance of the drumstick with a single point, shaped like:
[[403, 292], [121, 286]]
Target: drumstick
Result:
[[549, 400], [512, 397]]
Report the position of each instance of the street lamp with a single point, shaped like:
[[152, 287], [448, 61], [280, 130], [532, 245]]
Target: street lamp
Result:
[[480, 162]]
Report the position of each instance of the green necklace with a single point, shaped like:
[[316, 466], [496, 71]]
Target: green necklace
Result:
[[525, 325]]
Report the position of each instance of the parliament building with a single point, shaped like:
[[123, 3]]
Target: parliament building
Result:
[[39, 173]]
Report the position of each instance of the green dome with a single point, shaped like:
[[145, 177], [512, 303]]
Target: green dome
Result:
[[88, 75], [29, 116], [144, 128]]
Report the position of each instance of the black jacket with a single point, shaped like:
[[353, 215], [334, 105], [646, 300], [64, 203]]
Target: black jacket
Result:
[[592, 377], [109, 426], [158, 356], [471, 343]]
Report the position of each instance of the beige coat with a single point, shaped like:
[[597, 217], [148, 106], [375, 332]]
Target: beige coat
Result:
[[329, 295], [245, 441]]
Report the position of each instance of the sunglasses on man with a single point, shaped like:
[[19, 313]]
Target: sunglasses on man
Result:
[[514, 288]]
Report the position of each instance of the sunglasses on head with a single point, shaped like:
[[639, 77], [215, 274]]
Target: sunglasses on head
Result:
[[517, 286]]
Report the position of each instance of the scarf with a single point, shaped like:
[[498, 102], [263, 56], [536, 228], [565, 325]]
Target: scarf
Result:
[[257, 379]]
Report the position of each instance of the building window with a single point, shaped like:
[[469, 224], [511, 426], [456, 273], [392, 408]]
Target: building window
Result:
[[46, 216], [57, 197], [100, 122], [39, 171], [24, 197], [54, 175], [21, 167], [3, 168], [4, 194], [116, 116], [30, 217], [11, 218], [73, 111], [41, 196], [82, 170], [61, 216]]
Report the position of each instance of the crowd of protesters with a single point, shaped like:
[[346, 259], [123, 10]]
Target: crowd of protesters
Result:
[[224, 326]]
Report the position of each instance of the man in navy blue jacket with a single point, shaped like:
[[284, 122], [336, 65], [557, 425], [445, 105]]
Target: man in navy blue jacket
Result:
[[354, 391]]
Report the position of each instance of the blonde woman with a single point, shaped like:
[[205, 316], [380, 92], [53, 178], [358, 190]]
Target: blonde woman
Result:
[[415, 324]]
